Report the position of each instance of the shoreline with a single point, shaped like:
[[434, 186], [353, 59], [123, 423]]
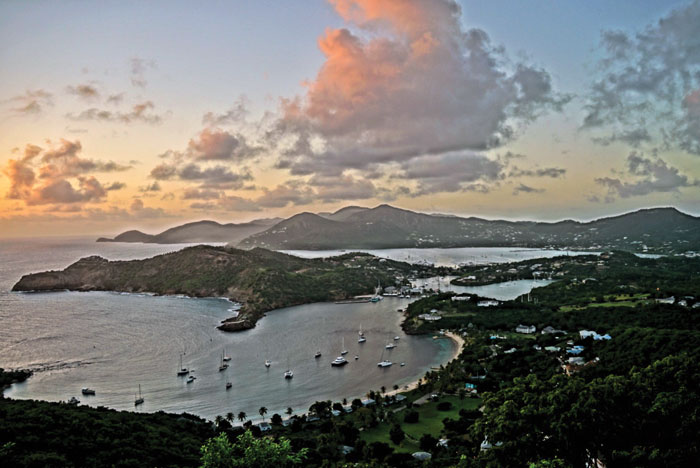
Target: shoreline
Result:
[[456, 339]]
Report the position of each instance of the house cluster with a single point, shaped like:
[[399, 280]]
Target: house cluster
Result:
[[592, 334], [433, 316], [487, 303]]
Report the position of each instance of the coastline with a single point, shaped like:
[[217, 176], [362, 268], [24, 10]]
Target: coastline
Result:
[[456, 339]]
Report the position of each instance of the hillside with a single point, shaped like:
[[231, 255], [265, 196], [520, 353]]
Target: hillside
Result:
[[199, 231], [260, 279], [662, 230]]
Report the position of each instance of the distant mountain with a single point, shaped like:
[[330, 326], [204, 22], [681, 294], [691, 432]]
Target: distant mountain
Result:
[[652, 230], [200, 231]]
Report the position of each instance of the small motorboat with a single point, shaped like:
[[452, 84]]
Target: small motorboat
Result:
[[88, 391], [357, 357], [397, 338], [191, 379], [229, 385], [361, 339], [288, 374], [268, 363], [73, 401], [403, 364], [318, 354]]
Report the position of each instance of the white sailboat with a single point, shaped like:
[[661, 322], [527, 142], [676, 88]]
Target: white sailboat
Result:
[[138, 399], [343, 351], [362, 338], [226, 357], [268, 363]]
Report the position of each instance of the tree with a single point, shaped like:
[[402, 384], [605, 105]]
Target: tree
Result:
[[383, 389], [248, 451], [263, 412], [242, 416], [229, 417], [427, 442], [289, 411], [396, 434], [276, 419], [338, 407]]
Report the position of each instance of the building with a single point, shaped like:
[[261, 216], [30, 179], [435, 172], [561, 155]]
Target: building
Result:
[[527, 329]]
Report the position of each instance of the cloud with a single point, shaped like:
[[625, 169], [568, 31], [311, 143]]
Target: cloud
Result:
[[648, 175], [553, 172], [647, 82], [210, 177], [139, 67], [405, 82], [84, 91], [139, 113], [197, 194], [58, 175], [342, 188], [522, 188], [214, 144], [115, 186], [285, 194], [31, 102], [633, 137], [236, 115], [154, 187], [115, 99], [451, 172], [234, 203]]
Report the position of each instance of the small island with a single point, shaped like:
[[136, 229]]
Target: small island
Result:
[[261, 280]]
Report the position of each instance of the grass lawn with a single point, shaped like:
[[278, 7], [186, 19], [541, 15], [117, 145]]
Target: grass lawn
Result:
[[429, 422], [631, 303]]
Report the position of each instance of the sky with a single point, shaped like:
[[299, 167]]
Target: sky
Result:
[[121, 115]]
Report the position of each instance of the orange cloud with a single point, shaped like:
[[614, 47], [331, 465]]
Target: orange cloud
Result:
[[63, 176]]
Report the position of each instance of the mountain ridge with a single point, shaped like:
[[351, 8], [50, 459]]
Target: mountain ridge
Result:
[[659, 229]]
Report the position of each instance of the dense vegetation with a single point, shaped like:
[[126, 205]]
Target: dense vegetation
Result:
[[625, 394], [38, 434]]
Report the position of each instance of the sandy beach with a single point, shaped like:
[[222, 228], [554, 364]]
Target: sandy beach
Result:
[[459, 341]]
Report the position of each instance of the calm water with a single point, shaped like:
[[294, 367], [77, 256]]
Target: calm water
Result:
[[450, 257], [113, 342], [505, 291]]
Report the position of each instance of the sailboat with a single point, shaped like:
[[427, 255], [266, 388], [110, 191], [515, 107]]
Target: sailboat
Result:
[[362, 338], [343, 351], [183, 370], [288, 374], [226, 358], [223, 366], [390, 345], [268, 363], [138, 399]]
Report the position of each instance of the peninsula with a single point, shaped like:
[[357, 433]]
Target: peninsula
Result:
[[260, 279]]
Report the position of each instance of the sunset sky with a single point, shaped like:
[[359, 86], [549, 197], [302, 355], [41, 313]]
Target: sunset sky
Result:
[[128, 114]]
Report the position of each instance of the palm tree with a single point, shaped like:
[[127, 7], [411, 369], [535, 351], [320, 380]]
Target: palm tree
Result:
[[263, 412], [242, 416], [383, 389], [289, 411], [229, 417], [218, 420]]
